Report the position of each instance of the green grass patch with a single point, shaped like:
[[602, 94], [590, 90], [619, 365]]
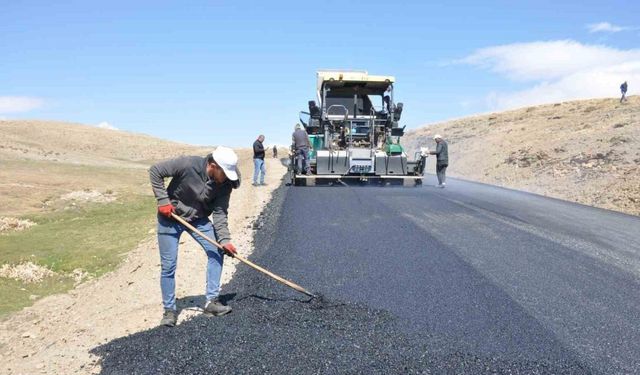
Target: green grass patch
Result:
[[92, 238], [16, 295]]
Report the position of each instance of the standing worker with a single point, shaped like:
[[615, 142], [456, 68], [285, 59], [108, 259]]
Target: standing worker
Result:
[[258, 161], [442, 159], [623, 89], [301, 147], [275, 151], [199, 187]]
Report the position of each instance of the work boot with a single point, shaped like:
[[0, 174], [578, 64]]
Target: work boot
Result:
[[169, 318], [214, 307]]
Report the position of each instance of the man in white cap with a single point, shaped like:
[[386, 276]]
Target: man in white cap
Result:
[[200, 187], [442, 159]]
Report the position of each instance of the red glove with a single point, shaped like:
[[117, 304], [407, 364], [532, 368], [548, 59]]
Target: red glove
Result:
[[166, 210], [230, 249]]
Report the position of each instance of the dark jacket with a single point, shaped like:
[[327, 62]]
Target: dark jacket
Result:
[[623, 87], [258, 150], [442, 153], [192, 192]]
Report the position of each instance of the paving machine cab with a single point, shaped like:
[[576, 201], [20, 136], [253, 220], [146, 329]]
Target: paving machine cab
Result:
[[353, 126]]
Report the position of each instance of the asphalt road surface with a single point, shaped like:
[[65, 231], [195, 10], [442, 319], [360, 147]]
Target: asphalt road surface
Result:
[[471, 279]]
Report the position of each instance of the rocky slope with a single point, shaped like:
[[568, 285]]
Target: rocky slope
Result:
[[584, 151]]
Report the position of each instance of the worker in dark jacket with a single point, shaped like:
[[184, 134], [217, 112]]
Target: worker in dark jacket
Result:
[[200, 187], [258, 161], [301, 146], [442, 159], [623, 90]]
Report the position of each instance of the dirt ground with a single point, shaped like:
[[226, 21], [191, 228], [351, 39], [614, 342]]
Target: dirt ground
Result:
[[56, 334], [584, 151]]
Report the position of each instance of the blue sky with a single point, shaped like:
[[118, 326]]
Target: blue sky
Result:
[[221, 72]]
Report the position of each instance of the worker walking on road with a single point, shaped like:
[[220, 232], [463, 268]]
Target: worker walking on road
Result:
[[442, 160], [259, 169], [199, 187], [301, 147], [623, 90]]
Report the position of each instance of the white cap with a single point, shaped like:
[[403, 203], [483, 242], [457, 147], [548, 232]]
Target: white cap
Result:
[[227, 159], [437, 136]]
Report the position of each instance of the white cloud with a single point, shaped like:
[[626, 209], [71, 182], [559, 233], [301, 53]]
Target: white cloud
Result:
[[15, 104], [558, 71], [546, 60], [606, 27], [106, 125]]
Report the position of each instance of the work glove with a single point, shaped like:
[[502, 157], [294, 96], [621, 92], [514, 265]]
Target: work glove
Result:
[[166, 210], [229, 249]]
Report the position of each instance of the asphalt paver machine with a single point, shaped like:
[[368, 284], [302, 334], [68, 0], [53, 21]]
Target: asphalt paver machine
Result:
[[354, 131]]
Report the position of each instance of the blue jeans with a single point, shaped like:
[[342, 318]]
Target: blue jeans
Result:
[[302, 160], [169, 232], [258, 169]]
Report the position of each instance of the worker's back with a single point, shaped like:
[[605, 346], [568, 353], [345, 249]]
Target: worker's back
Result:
[[300, 138]]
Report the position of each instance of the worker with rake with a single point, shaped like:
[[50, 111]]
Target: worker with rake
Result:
[[200, 187]]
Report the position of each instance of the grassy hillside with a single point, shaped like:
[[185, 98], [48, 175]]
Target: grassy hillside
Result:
[[584, 151]]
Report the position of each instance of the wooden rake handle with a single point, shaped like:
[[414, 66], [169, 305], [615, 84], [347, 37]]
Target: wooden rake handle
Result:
[[244, 260]]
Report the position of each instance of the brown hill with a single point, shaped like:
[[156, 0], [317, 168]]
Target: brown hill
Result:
[[583, 151], [43, 162], [82, 144]]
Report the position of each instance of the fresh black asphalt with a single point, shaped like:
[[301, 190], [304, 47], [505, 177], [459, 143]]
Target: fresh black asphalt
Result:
[[471, 279]]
